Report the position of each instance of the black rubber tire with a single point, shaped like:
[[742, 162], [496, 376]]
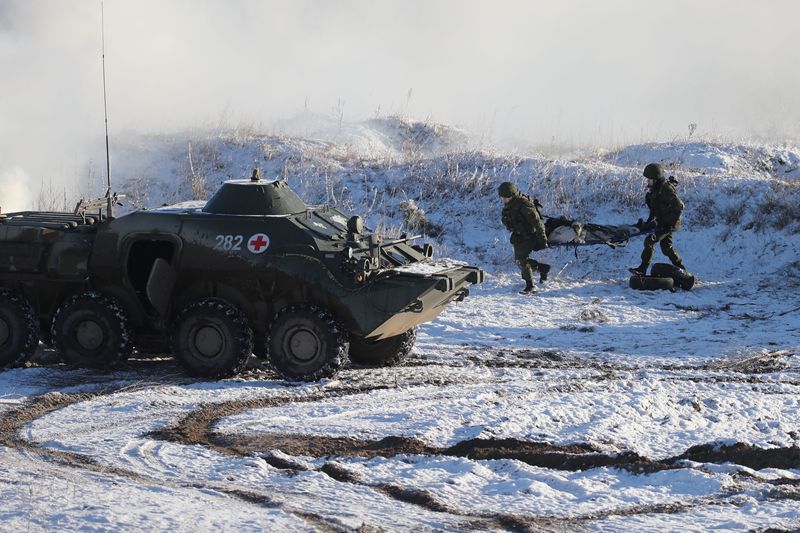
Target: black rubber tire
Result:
[[681, 278], [650, 283], [306, 343], [19, 328], [211, 338], [91, 330], [385, 352]]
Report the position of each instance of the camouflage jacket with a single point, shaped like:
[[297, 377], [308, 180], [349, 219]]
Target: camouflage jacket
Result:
[[665, 206], [522, 219]]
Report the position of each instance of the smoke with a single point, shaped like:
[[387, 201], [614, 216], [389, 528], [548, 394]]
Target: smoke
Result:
[[533, 72], [16, 195]]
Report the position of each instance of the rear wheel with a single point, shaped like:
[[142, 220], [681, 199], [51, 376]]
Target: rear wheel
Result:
[[385, 352], [305, 342], [212, 338], [19, 329], [91, 330]]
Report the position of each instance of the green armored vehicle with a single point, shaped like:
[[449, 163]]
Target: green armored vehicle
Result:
[[253, 270]]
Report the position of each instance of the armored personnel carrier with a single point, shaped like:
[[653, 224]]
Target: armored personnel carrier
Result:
[[253, 270]]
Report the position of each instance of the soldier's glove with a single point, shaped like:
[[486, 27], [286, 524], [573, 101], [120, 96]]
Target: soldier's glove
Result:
[[640, 224]]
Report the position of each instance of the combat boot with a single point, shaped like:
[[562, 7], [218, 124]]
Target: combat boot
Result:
[[638, 271], [529, 289], [544, 269]]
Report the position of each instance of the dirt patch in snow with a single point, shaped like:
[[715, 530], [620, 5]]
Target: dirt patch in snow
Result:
[[196, 427], [573, 457], [764, 363], [743, 454]]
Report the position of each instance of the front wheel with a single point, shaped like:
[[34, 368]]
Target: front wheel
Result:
[[385, 352], [212, 338], [91, 330], [305, 342], [19, 329]]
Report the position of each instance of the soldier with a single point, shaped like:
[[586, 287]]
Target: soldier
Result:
[[665, 215], [524, 221]]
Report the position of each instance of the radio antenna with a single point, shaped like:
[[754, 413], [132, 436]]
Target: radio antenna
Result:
[[110, 205]]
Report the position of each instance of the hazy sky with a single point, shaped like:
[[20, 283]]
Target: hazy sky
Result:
[[570, 71]]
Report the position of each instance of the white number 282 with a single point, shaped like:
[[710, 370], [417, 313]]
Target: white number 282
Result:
[[228, 242]]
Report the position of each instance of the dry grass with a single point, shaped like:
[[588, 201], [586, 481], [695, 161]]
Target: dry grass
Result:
[[780, 207]]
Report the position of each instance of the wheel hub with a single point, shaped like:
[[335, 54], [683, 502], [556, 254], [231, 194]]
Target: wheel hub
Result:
[[5, 332], [89, 335], [303, 344], [209, 341]]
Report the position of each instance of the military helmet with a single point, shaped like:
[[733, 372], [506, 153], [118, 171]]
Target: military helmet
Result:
[[654, 171], [507, 189]]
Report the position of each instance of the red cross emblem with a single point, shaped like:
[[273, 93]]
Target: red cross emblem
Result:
[[258, 243]]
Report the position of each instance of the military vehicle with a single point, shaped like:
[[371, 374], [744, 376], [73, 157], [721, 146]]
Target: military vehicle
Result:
[[253, 270]]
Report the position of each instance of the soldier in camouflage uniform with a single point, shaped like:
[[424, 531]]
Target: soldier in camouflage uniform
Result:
[[524, 221], [665, 215]]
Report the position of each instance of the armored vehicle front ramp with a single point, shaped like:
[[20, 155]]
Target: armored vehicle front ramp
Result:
[[416, 293]]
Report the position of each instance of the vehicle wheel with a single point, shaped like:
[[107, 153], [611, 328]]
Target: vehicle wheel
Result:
[[212, 338], [651, 283], [385, 352], [680, 277], [91, 330], [306, 342], [19, 328]]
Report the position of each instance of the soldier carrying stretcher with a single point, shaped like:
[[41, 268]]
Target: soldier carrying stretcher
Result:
[[522, 218], [665, 217]]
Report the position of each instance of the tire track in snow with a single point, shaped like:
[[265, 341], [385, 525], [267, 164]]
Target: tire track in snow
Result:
[[197, 428], [427, 501], [729, 370], [423, 498], [13, 420]]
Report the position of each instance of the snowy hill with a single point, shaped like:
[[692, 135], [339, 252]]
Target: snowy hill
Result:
[[741, 200]]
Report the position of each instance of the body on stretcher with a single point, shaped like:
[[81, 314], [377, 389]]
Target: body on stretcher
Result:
[[564, 232]]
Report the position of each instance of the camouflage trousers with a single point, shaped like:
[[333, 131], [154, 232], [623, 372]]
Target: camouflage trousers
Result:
[[665, 239], [526, 265]]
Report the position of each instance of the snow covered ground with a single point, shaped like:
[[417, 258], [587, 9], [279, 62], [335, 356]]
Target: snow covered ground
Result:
[[588, 406]]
